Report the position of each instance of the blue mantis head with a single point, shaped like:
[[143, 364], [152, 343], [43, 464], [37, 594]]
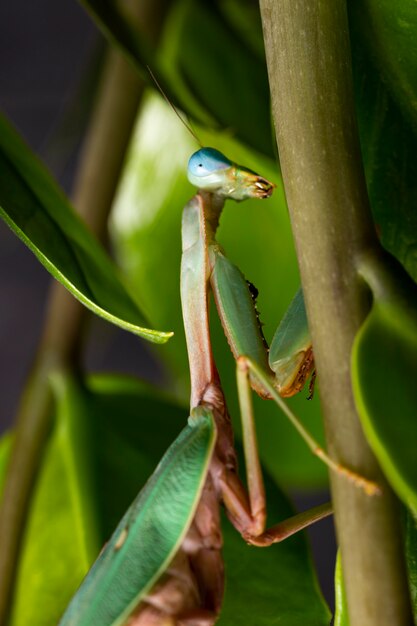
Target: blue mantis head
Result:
[[206, 162], [210, 170]]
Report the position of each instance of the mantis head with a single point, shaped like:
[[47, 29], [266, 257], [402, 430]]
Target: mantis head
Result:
[[210, 170]]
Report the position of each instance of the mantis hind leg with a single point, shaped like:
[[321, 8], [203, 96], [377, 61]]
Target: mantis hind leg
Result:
[[247, 511], [246, 366]]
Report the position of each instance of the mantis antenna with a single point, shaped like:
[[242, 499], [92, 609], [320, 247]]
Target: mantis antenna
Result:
[[173, 107]]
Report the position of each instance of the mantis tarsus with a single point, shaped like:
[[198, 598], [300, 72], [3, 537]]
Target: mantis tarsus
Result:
[[189, 588]]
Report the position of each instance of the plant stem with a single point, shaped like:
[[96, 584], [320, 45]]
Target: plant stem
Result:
[[96, 181], [308, 57]]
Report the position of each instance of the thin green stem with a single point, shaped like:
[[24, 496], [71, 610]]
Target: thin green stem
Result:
[[96, 181], [308, 56]]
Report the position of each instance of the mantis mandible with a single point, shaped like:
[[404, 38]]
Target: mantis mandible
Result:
[[187, 586]]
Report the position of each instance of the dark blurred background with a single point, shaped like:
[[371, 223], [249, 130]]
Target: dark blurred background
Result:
[[47, 50]]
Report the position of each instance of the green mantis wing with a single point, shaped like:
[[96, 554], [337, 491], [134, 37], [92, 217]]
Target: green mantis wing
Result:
[[291, 346], [237, 311], [150, 533], [290, 355]]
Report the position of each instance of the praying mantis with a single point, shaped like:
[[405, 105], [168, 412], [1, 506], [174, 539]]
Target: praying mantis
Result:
[[176, 577]]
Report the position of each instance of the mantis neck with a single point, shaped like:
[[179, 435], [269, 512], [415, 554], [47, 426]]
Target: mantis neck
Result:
[[212, 208]]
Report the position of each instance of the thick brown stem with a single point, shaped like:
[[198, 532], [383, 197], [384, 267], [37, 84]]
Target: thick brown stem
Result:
[[100, 166], [308, 59]]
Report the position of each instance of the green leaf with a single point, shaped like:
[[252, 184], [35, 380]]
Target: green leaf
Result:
[[61, 537], [384, 373], [275, 585], [341, 616], [120, 30], [117, 26], [255, 235], [5, 447], [392, 31], [147, 424], [150, 532], [216, 73], [38, 213], [384, 366], [411, 556], [203, 54], [84, 485], [388, 141]]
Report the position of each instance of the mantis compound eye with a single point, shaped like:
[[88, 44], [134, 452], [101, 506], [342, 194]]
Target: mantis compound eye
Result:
[[207, 161]]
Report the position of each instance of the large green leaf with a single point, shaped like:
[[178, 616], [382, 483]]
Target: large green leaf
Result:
[[388, 142], [384, 374], [392, 31], [129, 427], [255, 235], [146, 424], [61, 537], [216, 73], [38, 213], [276, 583], [119, 28], [387, 340], [204, 53]]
